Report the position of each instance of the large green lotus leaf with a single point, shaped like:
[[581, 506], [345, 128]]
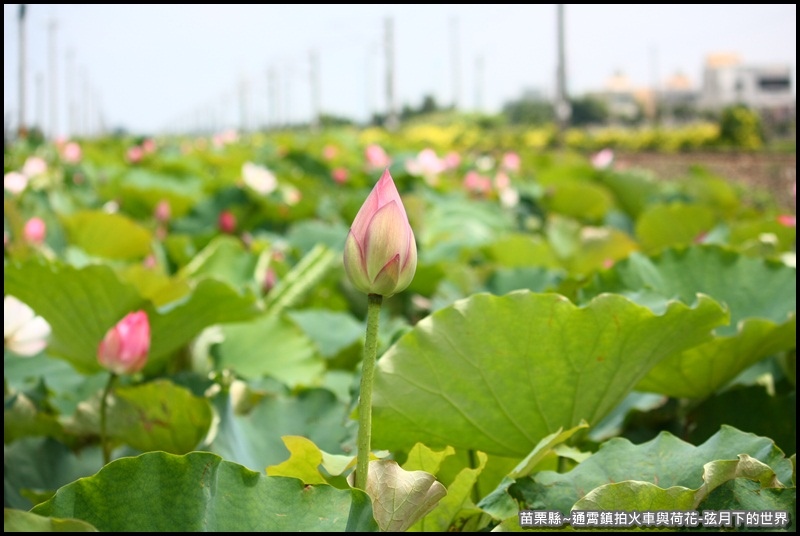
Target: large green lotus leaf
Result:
[[576, 199], [155, 285], [224, 258], [750, 287], [521, 250], [113, 236], [599, 248], [211, 302], [82, 304], [752, 408], [199, 491], [712, 191], [157, 415], [254, 438], [674, 224], [760, 294], [665, 461], [307, 234], [21, 521], [143, 189], [633, 190], [731, 485], [65, 387], [452, 225], [701, 371], [271, 346], [498, 373], [332, 331], [504, 280], [745, 232], [36, 467]]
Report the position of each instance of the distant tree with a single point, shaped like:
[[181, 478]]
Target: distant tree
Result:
[[741, 127], [528, 111], [328, 120], [588, 111]]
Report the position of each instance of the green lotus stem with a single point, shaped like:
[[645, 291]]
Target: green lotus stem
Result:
[[365, 398], [103, 410]]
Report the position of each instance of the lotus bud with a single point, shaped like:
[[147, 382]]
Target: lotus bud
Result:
[[380, 253], [124, 348]]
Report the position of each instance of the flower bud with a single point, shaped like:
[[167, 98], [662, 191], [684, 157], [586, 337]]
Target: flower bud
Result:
[[125, 347], [380, 253]]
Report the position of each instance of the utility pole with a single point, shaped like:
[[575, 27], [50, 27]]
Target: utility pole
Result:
[[272, 97], [391, 116], [72, 122], [315, 91], [456, 60], [479, 83], [53, 79], [22, 128], [563, 110]]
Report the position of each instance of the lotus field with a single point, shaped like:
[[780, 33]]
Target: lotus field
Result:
[[250, 332]]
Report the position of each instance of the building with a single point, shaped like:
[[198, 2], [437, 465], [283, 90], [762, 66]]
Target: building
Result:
[[727, 81]]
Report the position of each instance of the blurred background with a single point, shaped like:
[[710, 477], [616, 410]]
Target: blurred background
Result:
[[90, 70]]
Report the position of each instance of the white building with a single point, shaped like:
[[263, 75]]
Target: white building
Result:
[[728, 81]]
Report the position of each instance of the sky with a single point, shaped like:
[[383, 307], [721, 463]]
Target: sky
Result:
[[170, 67]]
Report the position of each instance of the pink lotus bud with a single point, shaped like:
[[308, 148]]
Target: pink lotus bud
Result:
[[380, 253], [163, 211], [376, 156], [148, 146], [35, 231], [340, 175], [329, 152], [125, 347], [227, 222], [787, 220], [71, 153], [134, 154]]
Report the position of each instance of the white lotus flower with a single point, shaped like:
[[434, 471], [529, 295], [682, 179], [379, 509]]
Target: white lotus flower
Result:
[[259, 178], [24, 333]]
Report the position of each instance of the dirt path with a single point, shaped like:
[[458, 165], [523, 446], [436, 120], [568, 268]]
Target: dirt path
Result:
[[774, 174]]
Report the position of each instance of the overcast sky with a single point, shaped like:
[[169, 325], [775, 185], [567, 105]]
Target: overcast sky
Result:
[[152, 67]]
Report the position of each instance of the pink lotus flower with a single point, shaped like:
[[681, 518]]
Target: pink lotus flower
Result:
[[71, 153], [124, 348], [476, 183], [603, 159], [510, 161], [34, 166], [227, 222], [340, 175], [427, 165], [163, 211], [148, 146], [452, 160], [134, 154], [35, 231], [787, 220], [376, 157], [380, 253], [329, 152]]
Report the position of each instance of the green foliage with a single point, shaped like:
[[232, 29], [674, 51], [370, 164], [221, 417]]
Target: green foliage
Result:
[[740, 128], [570, 334]]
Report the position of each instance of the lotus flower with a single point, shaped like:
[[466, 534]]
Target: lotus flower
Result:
[[35, 231], [24, 333], [380, 253], [124, 348]]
